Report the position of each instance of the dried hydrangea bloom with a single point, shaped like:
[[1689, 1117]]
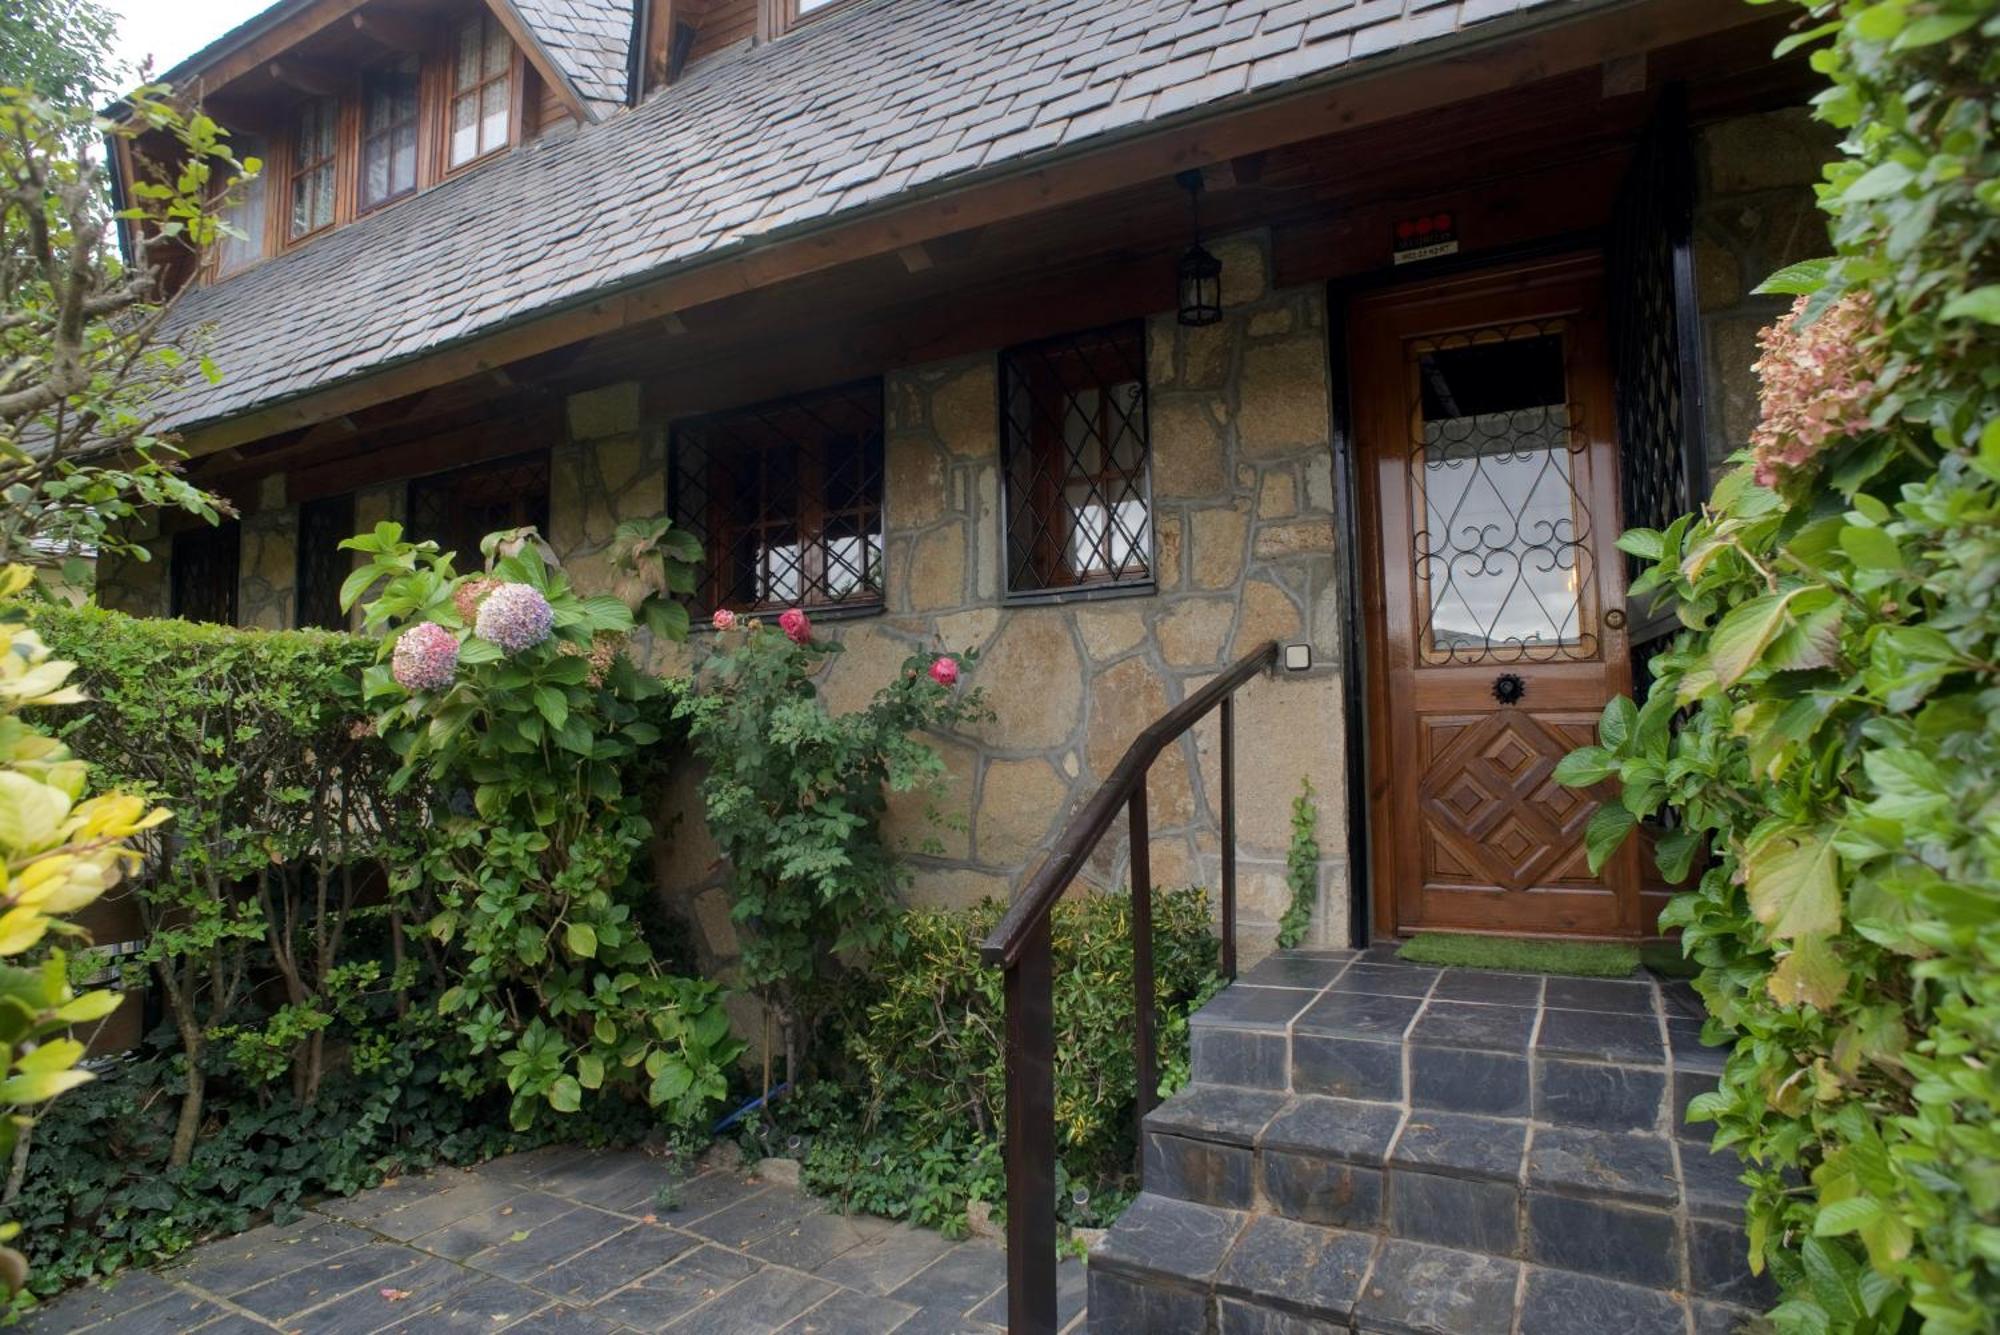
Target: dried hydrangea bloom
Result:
[[467, 596], [793, 622], [515, 617], [602, 653], [1817, 381], [425, 658]]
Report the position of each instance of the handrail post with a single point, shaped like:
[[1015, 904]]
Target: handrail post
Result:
[[1229, 836], [1031, 1136], [1142, 968]]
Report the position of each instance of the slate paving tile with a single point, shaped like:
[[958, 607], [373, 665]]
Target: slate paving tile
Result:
[[943, 1321], [1072, 1289], [262, 1254], [1358, 1015], [1318, 1270], [1243, 1007], [366, 1205], [704, 1195], [1601, 1037], [231, 1323], [1338, 1128], [414, 1218], [1680, 1001], [1604, 1097], [851, 1313], [1496, 1084], [1598, 1238], [612, 1264], [1217, 1112], [1236, 1317], [1482, 1028], [762, 1302], [559, 1238], [517, 1214], [1288, 970], [1121, 1305], [119, 1296], [1690, 1053], [1245, 1058], [1348, 1068], [753, 1217], [1559, 1302], [1719, 1265], [885, 1263], [288, 1295], [1603, 1163], [816, 1239], [1158, 1234], [373, 1306], [1455, 1212], [961, 1279], [1506, 989], [1392, 980], [1421, 1289], [668, 1294], [1321, 1191], [561, 1319], [483, 1304], [1712, 1183], [1199, 1170], [1458, 1144], [628, 1182], [1599, 994], [1721, 1319], [530, 1166]]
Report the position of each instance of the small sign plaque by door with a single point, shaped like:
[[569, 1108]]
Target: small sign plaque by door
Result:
[[1427, 238]]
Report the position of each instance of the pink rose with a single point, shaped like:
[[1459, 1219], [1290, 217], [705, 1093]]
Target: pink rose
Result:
[[793, 622], [724, 619], [944, 671]]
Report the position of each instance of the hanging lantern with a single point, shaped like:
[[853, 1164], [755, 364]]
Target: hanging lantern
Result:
[[1200, 273]]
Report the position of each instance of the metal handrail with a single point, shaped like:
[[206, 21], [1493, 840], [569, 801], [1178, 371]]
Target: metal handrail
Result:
[[1020, 946]]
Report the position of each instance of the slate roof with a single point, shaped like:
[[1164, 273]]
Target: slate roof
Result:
[[589, 41], [874, 100]]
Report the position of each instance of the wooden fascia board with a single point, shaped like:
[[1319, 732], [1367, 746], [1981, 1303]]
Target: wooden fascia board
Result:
[[268, 45], [1505, 59], [538, 56]]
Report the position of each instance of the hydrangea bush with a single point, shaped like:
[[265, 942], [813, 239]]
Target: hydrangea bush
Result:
[[516, 698], [1827, 731]]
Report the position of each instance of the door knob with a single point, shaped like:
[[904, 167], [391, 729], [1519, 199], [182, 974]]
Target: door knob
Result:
[[1508, 688]]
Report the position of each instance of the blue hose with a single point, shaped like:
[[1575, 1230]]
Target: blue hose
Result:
[[748, 1106]]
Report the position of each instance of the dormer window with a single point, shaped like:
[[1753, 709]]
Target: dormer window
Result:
[[389, 111], [482, 94], [313, 175]]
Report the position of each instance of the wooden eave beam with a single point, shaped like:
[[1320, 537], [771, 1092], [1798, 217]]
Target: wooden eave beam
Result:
[[538, 56], [270, 44], [1507, 60], [397, 34], [308, 76]]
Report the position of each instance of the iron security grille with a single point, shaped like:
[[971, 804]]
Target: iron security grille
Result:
[[786, 498], [203, 571], [323, 525], [1656, 329], [457, 509], [1500, 532], [1079, 497]]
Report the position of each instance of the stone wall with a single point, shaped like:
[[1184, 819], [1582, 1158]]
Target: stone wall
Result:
[[1243, 504], [1754, 213]]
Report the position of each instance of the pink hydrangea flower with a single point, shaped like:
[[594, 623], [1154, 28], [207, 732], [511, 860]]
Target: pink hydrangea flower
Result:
[[425, 658], [944, 671], [515, 617], [724, 619], [793, 622], [467, 597], [1817, 382]]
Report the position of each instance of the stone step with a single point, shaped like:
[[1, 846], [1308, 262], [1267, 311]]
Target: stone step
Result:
[[1616, 1055], [1631, 1207], [1174, 1266]]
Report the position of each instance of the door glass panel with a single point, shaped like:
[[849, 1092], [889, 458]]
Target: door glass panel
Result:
[[1500, 529]]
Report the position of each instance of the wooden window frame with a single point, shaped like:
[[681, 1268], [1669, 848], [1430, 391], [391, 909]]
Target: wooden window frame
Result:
[[806, 517], [775, 18], [449, 94], [362, 206], [1053, 473], [293, 170]]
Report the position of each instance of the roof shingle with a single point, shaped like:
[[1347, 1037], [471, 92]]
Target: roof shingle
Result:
[[880, 97], [589, 41]]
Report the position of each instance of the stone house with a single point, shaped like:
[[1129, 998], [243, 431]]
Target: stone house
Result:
[[1109, 340]]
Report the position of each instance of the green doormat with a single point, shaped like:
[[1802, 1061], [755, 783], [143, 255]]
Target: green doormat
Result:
[[1584, 959]]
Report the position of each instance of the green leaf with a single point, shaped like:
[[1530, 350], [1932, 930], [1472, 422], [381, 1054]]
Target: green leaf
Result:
[[1870, 548], [581, 939], [1846, 1216], [1644, 543], [674, 1080], [1609, 825], [1615, 723], [1879, 182], [1982, 304], [1792, 877], [1742, 636], [1810, 974], [590, 1070], [1796, 280], [565, 1095], [1585, 766], [552, 704]]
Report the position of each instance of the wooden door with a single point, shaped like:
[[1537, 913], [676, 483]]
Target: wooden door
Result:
[[1493, 597]]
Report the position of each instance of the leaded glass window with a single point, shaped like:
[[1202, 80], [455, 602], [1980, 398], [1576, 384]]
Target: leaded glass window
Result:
[[323, 525], [458, 509], [482, 90], [786, 498], [389, 106], [314, 135], [202, 570], [1079, 510]]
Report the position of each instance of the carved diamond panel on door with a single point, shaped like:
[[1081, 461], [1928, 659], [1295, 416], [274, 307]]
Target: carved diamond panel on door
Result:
[[1492, 814]]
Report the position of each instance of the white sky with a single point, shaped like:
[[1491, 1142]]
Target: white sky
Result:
[[171, 30]]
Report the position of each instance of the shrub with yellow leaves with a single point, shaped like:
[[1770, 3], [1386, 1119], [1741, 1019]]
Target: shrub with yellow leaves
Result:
[[59, 851]]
